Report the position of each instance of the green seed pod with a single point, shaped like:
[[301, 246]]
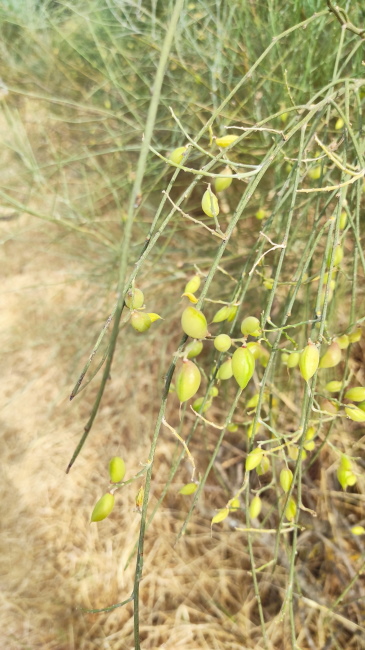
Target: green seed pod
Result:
[[116, 469], [255, 507], [232, 428], [221, 315], [362, 405], [226, 140], [355, 336], [198, 405], [331, 357], [243, 366], [286, 479], [255, 349], [356, 394], [214, 391], [194, 323], [187, 381], [354, 413], [153, 316], [140, 321], [210, 205], [234, 504], [309, 443], [339, 124], [250, 326], [134, 299], [261, 214], [254, 459], [193, 285], [293, 359], [177, 155], [221, 184], [337, 256], [343, 341], [222, 342], [191, 296], [284, 358], [103, 507], [187, 489], [343, 220], [308, 361], [220, 516], [345, 478], [345, 462], [253, 402], [232, 313], [333, 386], [268, 284], [291, 510], [358, 530], [193, 349], [263, 467], [315, 173], [225, 370]]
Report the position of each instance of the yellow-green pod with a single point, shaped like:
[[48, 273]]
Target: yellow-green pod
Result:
[[210, 205], [345, 462], [220, 516], [189, 488], [191, 296], [333, 386], [343, 341], [103, 507], [194, 323], [232, 428], [177, 155], [315, 173], [286, 479], [187, 381], [193, 349], [358, 530], [356, 394], [343, 220], [140, 321], [221, 315], [255, 507], [253, 402], [331, 357], [260, 214], [221, 184], [193, 285], [213, 392], [362, 406], [134, 298], [254, 459], [355, 336], [337, 256], [308, 361], [232, 313], [309, 443], [339, 124], [222, 342], [116, 469], [263, 467], [225, 370], [355, 413], [293, 359], [250, 326], [198, 405], [234, 504], [154, 316], [291, 510], [255, 349], [226, 140], [345, 477], [243, 366]]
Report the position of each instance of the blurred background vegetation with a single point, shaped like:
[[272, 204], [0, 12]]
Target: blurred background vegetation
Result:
[[76, 84]]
